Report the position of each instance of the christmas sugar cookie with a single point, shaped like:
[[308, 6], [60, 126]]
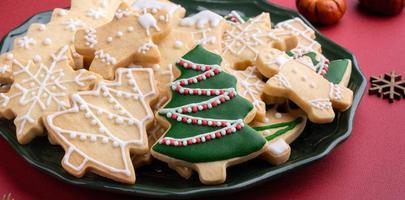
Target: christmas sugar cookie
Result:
[[242, 43], [106, 125], [205, 116], [336, 71], [174, 10], [296, 81], [40, 88], [130, 37], [43, 40], [250, 86], [305, 35], [206, 28], [280, 129]]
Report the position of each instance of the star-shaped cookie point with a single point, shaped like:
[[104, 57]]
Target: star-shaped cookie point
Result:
[[242, 43], [390, 86], [39, 89], [129, 38]]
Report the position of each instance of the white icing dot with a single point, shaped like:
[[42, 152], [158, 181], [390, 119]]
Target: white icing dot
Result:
[[116, 144], [105, 140], [62, 13], [162, 18], [130, 28], [278, 115], [101, 130], [88, 115], [82, 137], [73, 135], [120, 34], [42, 27], [119, 120], [10, 56], [131, 122], [32, 84], [110, 116], [109, 39], [93, 122], [178, 44], [47, 41], [37, 58], [93, 138]]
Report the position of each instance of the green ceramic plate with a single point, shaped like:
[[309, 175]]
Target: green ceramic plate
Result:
[[157, 180]]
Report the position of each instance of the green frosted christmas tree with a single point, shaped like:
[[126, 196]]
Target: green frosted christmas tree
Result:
[[206, 114]]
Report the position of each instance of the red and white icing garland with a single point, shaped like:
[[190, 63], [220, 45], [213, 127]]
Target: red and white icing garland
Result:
[[181, 113]]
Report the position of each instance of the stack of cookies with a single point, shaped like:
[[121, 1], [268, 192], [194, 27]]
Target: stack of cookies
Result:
[[117, 83]]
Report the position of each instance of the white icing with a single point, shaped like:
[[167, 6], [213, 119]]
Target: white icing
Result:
[[155, 4], [25, 42], [104, 135], [201, 19], [73, 24], [42, 27], [321, 104], [281, 80], [146, 47], [37, 58], [62, 13], [148, 21], [9, 56], [91, 37], [95, 13], [122, 13], [335, 92], [43, 78], [178, 44], [278, 115], [278, 147], [252, 90], [4, 69], [47, 41], [130, 29], [105, 57], [120, 34]]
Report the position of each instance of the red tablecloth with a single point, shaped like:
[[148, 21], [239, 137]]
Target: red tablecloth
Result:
[[369, 165]]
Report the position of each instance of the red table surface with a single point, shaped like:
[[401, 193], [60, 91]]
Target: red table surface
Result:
[[369, 165]]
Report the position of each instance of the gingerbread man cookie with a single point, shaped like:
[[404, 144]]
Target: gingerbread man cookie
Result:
[[293, 79], [106, 125], [130, 37]]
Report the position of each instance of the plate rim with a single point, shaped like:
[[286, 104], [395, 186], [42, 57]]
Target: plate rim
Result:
[[265, 5]]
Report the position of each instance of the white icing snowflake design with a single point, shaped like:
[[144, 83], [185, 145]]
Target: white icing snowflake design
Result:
[[40, 88], [73, 24], [96, 13], [25, 42]]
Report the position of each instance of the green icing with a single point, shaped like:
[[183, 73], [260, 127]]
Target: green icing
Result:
[[288, 126], [241, 143], [337, 68]]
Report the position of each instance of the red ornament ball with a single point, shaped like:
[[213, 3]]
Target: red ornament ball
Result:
[[325, 12], [384, 7]]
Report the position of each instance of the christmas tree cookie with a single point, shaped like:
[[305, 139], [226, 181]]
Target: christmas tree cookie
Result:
[[280, 128], [205, 116], [106, 125], [129, 38]]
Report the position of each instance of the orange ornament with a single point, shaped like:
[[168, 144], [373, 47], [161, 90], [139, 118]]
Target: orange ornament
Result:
[[322, 11]]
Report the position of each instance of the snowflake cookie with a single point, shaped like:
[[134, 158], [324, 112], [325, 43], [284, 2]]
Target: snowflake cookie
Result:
[[297, 81], [129, 38], [40, 88], [242, 43], [106, 125]]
